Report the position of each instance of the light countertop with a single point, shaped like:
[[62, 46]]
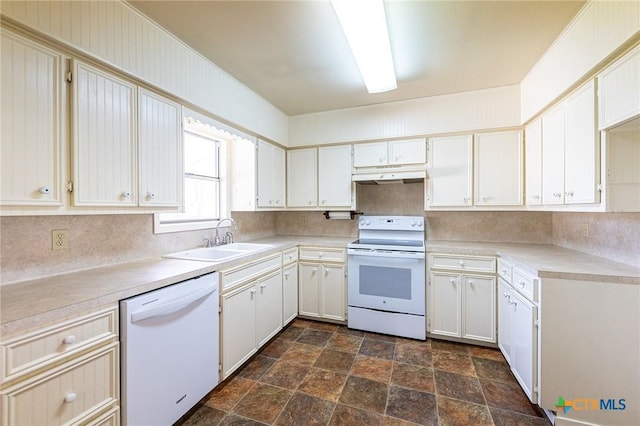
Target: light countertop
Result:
[[30, 304]]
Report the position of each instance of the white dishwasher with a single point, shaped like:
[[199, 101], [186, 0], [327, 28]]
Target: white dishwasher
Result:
[[169, 342]]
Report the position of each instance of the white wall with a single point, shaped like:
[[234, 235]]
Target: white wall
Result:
[[117, 34], [467, 111], [598, 30]]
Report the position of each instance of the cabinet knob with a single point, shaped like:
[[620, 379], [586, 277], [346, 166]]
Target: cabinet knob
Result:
[[310, 202], [470, 283], [321, 254], [536, 197], [70, 397], [506, 295], [69, 340], [151, 194], [314, 270], [452, 281], [263, 285], [557, 194], [381, 160], [466, 199], [521, 283], [324, 201], [45, 190], [569, 194], [286, 274], [484, 199], [253, 291], [504, 271], [126, 194], [461, 263]]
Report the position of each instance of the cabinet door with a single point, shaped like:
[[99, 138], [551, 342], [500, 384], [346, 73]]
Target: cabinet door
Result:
[[243, 175], [238, 327], [504, 319], [31, 123], [444, 304], [498, 169], [553, 156], [160, 150], [581, 148], [309, 288], [103, 139], [335, 188], [619, 90], [289, 293], [334, 292], [450, 163], [533, 162], [523, 342], [370, 154], [302, 178], [479, 308], [412, 151], [271, 176], [268, 308]]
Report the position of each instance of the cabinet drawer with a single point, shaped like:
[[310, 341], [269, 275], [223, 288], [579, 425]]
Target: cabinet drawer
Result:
[[463, 263], [68, 394], [505, 270], [110, 418], [239, 274], [34, 351], [322, 254], [290, 256], [525, 284]]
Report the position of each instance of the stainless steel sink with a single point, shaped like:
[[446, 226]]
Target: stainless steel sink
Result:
[[219, 253]]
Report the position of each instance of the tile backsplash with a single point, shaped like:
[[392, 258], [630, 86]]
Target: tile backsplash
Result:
[[95, 240]]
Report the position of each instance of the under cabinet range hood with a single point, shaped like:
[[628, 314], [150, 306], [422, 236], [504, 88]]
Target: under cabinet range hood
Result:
[[388, 177]]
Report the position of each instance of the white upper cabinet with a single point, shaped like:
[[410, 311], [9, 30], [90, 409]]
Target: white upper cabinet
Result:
[[392, 153], [104, 135], [302, 177], [30, 138], [498, 169], [335, 188], [243, 175], [320, 177], [570, 151], [581, 147], [370, 154], [619, 90], [271, 176], [412, 151], [533, 163], [450, 177], [160, 150], [553, 156]]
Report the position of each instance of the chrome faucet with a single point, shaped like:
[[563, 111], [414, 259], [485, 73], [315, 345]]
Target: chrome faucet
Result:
[[217, 240]]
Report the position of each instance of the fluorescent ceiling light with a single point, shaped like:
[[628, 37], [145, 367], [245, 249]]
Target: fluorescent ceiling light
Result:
[[365, 26]]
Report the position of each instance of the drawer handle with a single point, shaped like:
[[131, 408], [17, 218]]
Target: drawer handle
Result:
[[70, 397], [263, 285], [69, 340], [253, 291]]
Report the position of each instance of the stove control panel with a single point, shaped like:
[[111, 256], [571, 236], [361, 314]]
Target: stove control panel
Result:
[[399, 223]]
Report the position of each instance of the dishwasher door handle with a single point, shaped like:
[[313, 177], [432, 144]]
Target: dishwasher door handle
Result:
[[172, 305]]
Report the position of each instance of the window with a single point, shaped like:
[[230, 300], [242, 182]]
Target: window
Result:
[[203, 190]]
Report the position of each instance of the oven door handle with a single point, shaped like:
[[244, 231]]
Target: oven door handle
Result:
[[385, 253]]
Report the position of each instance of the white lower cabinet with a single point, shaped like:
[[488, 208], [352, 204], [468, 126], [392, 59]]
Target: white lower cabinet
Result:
[[322, 283], [268, 307], [67, 373], [290, 287], [461, 297], [251, 309], [517, 329]]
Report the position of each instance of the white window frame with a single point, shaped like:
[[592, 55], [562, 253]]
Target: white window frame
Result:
[[225, 138]]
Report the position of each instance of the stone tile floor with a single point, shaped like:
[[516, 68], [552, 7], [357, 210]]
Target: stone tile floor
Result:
[[315, 373]]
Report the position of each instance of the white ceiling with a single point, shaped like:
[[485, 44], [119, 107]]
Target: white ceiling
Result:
[[293, 53]]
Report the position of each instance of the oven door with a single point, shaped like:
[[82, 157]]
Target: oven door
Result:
[[387, 280]]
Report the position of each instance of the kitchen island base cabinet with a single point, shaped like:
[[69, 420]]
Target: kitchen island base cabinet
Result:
[[590, 348]]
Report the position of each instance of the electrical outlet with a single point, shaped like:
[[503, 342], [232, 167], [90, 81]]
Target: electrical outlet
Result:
[[59, 239], [303, 221]]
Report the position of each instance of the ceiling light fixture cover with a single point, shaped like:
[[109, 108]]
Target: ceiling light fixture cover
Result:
[[365, 26]]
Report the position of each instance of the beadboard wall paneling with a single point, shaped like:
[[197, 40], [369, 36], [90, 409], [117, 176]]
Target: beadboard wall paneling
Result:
[[117, 34], [458, 112], [599, 29]]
